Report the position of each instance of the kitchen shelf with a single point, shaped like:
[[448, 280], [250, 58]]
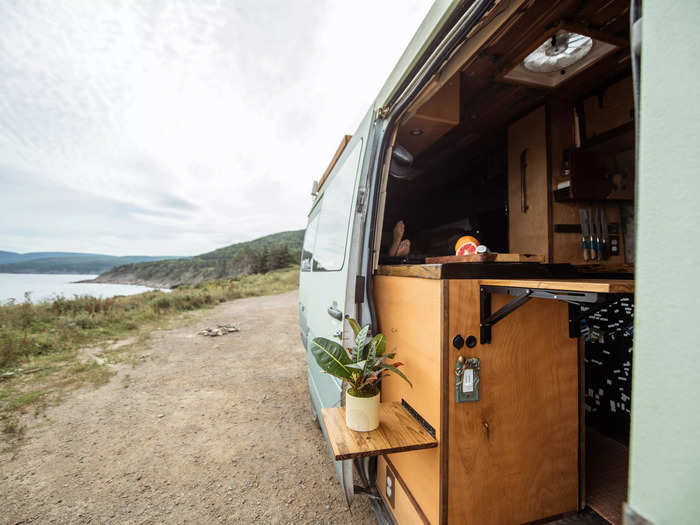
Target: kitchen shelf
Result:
[[398, 431]]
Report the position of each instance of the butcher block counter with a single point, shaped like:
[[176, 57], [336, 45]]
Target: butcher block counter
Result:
[[533, 275], [495, 363]]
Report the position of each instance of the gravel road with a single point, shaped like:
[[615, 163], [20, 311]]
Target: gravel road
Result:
[[205, 430]]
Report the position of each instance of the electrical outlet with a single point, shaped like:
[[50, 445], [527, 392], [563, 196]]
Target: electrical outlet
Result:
[[390, 485]]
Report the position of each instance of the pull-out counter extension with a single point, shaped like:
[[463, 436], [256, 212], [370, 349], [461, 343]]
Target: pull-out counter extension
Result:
[[508, 437]]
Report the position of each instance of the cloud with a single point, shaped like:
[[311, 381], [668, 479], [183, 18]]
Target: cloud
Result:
[[173, 127]]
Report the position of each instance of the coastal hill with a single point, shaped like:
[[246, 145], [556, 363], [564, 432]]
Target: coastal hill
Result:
[[271, 252], [66, 262]]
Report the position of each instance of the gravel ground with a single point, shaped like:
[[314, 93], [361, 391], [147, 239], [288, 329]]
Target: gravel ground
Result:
[[205, 430]]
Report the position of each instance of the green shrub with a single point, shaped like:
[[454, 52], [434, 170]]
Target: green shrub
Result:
[[53, 327]]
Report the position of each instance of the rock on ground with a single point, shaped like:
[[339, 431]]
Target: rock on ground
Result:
[[207, 430]]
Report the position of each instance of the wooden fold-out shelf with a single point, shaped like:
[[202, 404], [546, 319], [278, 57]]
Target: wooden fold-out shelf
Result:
[[398, 431], [573, 285]]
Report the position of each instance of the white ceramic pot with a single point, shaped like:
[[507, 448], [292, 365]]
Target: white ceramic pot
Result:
[[361, 413]]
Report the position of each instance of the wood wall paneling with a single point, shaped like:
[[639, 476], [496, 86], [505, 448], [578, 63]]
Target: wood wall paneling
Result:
[[529, 230], [514, 453], [403, 510], [409, 312], [567, 246], [612, 108]]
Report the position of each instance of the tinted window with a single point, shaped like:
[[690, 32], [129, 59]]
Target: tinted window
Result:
[[329, 252], [309, 239]]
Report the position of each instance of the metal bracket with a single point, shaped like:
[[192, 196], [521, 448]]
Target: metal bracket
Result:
[[523, 295]]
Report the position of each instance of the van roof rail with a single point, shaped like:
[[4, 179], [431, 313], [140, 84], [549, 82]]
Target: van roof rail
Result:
[[336, 156]]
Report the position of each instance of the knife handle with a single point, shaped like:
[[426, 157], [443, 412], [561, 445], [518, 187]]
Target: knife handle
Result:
[[585, 249]]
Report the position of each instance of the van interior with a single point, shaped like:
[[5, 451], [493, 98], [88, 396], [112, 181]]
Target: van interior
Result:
[[526, 141]]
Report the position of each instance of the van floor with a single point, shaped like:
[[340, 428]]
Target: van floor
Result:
[[585, 517], [606, 482], [606, 475]]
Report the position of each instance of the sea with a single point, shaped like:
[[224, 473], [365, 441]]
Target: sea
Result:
[[42, 287]]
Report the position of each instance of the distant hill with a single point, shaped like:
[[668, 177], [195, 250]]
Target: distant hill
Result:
[[12, 257], [66, 262], [257, 256]]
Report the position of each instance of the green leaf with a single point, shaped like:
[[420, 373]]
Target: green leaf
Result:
[[360, 344], [359, 366], [381, 360], [331, 357], [396, 371], [380, 342], [371, 358], [354, 325]]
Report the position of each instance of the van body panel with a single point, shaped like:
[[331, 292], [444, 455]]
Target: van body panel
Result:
[[330, 255], [437, 16]]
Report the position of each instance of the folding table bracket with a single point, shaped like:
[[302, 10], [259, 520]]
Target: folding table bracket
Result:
[[523, 295]]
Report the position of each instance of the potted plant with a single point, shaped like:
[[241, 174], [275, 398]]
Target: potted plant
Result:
[[362, 368]]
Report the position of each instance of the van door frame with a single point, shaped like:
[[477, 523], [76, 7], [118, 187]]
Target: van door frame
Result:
[[387, 120]]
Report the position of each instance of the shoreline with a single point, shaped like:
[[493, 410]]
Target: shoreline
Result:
[[134, 281]]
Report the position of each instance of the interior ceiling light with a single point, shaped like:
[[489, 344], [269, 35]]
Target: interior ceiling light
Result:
[[558, 57], [416, 132]]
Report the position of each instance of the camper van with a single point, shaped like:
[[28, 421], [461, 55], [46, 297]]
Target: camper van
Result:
[[516, 214]]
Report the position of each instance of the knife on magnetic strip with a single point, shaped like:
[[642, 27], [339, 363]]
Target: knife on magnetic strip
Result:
[[584, 233], [591, 235], [604, 226]]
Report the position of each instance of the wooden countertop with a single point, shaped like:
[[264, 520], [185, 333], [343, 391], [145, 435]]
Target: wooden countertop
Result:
[[572, 285], [398, 431], [527, 275]]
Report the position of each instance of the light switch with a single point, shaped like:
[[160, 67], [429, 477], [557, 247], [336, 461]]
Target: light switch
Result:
[[467, 379]]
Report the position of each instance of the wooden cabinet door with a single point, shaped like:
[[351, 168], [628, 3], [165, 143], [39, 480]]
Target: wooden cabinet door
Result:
[[513, 455], [528, 218]]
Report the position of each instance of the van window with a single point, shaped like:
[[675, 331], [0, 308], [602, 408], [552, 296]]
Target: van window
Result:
[[310, 238], [329, 253]]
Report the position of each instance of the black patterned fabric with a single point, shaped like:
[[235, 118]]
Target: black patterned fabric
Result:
[[608, 368]]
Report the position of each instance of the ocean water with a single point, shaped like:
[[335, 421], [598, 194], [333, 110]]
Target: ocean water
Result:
[[48, 286]]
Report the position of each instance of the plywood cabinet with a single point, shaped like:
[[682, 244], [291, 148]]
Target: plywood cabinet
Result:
[[433, 119], [512, 456]]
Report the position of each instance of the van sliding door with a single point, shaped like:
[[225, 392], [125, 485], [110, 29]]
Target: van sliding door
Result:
[[325, 275]]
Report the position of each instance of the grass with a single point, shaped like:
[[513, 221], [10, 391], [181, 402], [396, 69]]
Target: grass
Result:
[[40, 344]]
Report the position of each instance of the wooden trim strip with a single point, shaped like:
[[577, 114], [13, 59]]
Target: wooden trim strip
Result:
[[336, 156], [444, 402], [413, 501], [550, 206]]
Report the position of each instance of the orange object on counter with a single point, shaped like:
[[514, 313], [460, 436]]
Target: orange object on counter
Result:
[[466, 245]]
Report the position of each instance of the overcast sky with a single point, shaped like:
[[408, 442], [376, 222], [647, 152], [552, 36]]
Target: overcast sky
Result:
[[176, 127]]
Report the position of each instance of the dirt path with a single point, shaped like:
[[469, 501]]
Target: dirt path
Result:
[[206, 430]]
